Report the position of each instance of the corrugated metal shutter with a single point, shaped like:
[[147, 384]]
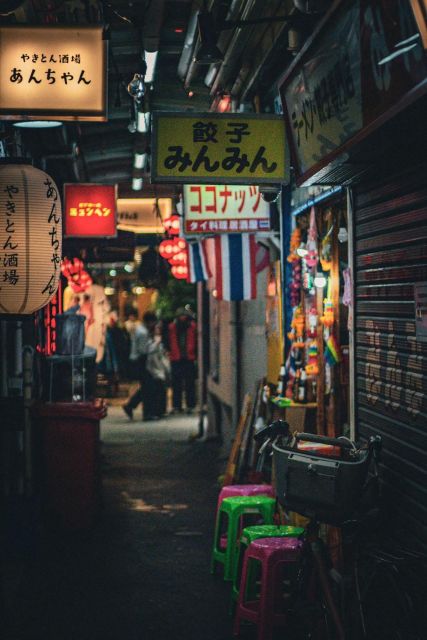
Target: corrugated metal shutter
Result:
[[391, 399]]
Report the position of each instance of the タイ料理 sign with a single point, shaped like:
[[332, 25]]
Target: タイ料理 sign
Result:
[[224, 209], [229, 148], [52, 72]]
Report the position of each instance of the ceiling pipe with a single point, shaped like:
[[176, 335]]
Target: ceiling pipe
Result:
[[232, 48], [194, 66], [243, 84], [153, 21], [190, 41], [224, 39]]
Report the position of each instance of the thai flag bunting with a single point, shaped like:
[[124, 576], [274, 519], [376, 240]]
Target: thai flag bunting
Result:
[[235, 266], [198, 266]]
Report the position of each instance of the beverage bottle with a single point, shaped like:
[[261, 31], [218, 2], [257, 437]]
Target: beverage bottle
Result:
[[281, 381]]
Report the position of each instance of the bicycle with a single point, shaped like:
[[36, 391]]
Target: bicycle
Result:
[[323, 479]]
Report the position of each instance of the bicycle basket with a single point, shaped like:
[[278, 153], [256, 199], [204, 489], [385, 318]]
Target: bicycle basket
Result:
[[319, 487]]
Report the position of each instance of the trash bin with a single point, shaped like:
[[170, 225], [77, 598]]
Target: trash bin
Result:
[[71, 461]]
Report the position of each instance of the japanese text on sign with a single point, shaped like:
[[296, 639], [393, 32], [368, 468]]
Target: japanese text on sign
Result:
[[52, 70], [323, 98], [90, 210], [10, 246], [239, 149], [54, 220], [225, 208]]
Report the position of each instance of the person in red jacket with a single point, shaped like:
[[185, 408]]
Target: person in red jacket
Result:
[[182, 353]]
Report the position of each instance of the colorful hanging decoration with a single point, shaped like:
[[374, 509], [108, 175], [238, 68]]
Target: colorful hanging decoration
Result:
[[294, 259], [295, 242], [296, 333], [332, 351], [312, 323], [312, 256], [328, 308], [77, 277], [326, 247], [328, 313], [312, 366]]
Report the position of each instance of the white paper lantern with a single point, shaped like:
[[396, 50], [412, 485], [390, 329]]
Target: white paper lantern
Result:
[[30, 238]]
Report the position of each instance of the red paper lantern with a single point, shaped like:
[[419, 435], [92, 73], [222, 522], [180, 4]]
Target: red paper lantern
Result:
[[180, 272], [179, 258], [167, 248], [171, 225]]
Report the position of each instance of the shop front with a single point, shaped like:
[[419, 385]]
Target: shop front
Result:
[[358, 123]]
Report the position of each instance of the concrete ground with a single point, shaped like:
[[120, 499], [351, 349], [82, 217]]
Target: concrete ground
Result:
[[142, 573]]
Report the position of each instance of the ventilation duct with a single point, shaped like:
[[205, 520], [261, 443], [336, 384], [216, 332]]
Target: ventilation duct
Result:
[[312, 6]]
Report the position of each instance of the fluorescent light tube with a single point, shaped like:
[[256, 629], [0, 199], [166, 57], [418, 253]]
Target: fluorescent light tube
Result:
[[137, 184], [150, 59]]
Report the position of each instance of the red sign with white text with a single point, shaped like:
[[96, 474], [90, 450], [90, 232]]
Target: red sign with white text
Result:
[[90, 211]]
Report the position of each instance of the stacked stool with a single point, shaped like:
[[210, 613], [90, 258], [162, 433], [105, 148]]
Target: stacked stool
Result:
[[249, 534], [232, 490], [235, 509], [272, 554]]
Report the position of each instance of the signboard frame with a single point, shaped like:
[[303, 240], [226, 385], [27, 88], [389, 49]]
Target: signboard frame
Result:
[[67, 235], [223, 179], [71, 114], [334, 157], [219, 222]]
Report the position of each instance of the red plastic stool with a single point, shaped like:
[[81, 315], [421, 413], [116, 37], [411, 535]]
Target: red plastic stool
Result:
[[232, 490], [272, 553]]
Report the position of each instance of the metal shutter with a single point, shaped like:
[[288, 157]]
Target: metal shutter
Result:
[[390, 256]]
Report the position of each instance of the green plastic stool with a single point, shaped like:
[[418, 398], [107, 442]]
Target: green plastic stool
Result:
[[249, 534], [235, 508]]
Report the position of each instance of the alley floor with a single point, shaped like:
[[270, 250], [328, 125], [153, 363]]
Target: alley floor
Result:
[[142, 573]]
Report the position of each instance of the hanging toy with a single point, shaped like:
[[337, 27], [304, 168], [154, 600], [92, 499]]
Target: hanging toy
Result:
[[326, 248], [312, 256], [328, 308], [312, 323], [295, 286], [328, 314], [312, 366]]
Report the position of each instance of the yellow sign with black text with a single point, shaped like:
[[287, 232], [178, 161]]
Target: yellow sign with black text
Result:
[[229, 148]]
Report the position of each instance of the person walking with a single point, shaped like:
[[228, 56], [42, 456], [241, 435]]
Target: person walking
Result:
[[140, 343], [182, 353], [158, 366]]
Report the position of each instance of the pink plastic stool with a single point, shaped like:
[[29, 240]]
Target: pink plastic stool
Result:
[[232, 490], [272, 553]]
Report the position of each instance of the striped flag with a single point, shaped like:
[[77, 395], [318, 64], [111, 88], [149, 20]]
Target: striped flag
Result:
[[235, 266], [198, 266]]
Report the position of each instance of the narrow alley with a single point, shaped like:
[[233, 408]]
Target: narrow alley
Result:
[[143, 572]]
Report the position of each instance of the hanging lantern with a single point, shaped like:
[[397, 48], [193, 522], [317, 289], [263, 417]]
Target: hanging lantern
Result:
[[78, 278], [180, 272], [178, 259], [171, 225], [30, 238], [167, 248]]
